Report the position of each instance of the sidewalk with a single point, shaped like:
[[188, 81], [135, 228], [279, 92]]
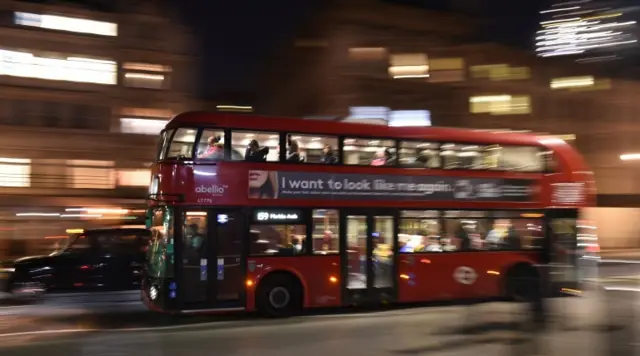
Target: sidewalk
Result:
[[627, 253]]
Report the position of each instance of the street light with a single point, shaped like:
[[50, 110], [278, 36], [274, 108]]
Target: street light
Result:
[[630, 157]]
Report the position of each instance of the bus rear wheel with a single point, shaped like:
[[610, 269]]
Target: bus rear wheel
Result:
[[279, 296]]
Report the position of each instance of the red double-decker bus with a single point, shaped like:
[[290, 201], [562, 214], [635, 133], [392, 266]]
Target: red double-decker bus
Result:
[[275, 215]]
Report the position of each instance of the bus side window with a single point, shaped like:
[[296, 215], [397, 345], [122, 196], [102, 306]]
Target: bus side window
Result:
[[369, 152], [467, 156], [211, 145], [164, 144], [519, 158], [419, 154], [181, 146], [255, 146], [312, 149]]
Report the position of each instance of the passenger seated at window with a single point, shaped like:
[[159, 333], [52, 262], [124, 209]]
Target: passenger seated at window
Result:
[[293, 151], [328, 156], [296, 244], [255, 153], [513, 240], [215, 150], [383, 158]]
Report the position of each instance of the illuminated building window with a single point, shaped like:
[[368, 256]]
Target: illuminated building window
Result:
[[142, 126], [15, 172], [499, 72], [443, 70], [91, 174], [572, 82], [446, 64], [404, 66], [145, 75], [146, 112], [64, 23], [380, 115], [368, 53], [61, 67], [134, 177], [500, 104]]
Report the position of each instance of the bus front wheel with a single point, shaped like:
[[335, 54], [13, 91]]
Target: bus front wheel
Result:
[[279, 295]]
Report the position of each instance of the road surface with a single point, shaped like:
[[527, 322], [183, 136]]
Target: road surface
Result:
[[486, 329], [122, 326]]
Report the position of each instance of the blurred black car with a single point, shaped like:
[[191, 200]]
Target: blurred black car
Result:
[[108, 259]]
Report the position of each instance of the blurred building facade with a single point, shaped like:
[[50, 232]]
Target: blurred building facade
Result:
[[367, 54], [84, 91]]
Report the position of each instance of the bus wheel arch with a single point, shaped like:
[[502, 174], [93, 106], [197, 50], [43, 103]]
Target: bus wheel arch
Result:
[[520, 279], [279, 294]]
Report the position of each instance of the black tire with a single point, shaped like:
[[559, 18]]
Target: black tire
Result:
[[279, 296], [522, 282]]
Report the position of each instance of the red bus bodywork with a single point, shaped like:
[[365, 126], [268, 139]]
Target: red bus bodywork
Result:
[[420, 276]]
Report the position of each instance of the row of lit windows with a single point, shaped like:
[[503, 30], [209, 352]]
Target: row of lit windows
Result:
[[81, 70], [21, 172], [419, 65], [418, 231], [211, 145]]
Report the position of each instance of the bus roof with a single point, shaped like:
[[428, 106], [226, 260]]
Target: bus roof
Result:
[[567, 155], [270, 123]]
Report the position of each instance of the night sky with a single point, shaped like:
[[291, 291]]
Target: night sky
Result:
[[237, 35]]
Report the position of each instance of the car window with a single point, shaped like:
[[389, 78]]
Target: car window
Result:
[[120, 241]]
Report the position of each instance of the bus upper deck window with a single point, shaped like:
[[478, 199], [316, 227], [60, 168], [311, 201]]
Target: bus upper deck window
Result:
[[369, 152], [164, 144], [211, 145], [181, 146], [255, 146]]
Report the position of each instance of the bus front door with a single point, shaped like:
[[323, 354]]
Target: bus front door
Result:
[[369, 273], [211, 256]]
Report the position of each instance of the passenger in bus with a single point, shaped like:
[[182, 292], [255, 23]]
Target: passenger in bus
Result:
[[383, 158], [255, 153], [293, 150], [328, 156], [296, 244], [513, 240], [215, 150], [463, 236]]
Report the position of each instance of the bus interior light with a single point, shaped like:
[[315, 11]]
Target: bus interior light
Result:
[[529, 215]]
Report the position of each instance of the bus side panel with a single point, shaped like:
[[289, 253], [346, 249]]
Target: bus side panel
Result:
[[459, 275], [319, 276]]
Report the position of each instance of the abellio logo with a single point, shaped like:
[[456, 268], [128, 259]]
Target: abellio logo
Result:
[[213, 189]]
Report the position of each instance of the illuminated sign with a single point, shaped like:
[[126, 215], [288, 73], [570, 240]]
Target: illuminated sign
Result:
[[283, 216]]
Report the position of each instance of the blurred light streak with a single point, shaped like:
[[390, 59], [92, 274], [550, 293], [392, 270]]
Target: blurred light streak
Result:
[[37, 214], [568, 34], [630, 156], [572, 82], [562, 9], [234, 108]]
